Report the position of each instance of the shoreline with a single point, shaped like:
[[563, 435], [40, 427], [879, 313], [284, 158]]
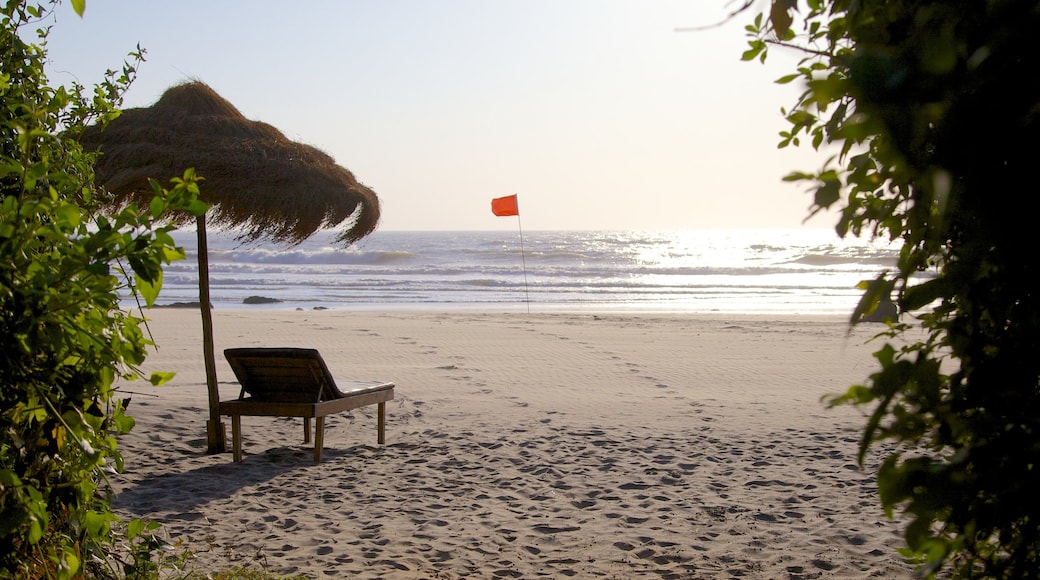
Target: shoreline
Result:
[[608, 444], [494, 308]]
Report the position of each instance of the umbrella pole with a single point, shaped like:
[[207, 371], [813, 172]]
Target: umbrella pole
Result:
[[215, 437]]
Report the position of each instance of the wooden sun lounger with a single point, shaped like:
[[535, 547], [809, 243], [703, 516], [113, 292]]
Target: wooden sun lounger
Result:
[[294, 382]]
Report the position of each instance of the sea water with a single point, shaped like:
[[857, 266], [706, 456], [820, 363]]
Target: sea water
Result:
[[797, 271]]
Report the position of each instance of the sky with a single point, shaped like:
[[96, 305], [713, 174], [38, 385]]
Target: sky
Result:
[[598, 114]]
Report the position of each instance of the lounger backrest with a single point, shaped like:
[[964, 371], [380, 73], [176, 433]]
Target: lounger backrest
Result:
[[284, 375]]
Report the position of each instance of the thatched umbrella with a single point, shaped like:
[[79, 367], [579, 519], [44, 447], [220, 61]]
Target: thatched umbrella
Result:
[[255, 179]]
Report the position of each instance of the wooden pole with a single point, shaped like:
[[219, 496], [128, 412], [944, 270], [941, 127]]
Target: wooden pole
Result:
[[216, 441]]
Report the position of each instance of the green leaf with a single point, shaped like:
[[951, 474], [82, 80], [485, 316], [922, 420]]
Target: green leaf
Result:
[[173, 254], [159, 378], [756, 48], [71, 563], [878, 291], [134, 528], [9, 478], [68, 216], [197, 207], [96, 522], [801, 117], [891, 483], [157, 207], [798, 176], [828, 193], [79, 6], [149, 290], [923, 294], [123, 424]]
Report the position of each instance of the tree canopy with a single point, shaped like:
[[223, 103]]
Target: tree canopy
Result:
[[932, 111]]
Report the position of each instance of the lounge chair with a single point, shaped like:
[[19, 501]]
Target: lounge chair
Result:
[[294, 382]]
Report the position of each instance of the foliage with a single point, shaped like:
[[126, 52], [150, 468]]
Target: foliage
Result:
[[932, 111], [64, 340]]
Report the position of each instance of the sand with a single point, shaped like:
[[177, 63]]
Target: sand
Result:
[[555, 445]]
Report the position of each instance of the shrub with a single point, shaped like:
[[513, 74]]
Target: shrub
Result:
[[64, 340], [931, 108]]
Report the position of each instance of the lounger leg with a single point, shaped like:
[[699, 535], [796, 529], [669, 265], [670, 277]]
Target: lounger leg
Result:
[[319, 437], [306, 429], [381, 422], [236, 437]]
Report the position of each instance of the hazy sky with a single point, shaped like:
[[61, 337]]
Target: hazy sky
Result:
[[597, 113]]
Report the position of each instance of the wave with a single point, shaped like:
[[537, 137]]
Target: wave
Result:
[[704, 270], [302, 257], [831, 260]]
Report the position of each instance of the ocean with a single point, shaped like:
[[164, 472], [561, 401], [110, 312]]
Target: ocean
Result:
[[797, 271]]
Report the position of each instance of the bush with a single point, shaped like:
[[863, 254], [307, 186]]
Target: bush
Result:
[[932, 108], [64, 340]]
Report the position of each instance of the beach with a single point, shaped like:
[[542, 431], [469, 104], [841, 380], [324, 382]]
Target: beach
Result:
[[523, 445]]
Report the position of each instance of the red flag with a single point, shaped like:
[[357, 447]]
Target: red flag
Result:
[[503, 206]]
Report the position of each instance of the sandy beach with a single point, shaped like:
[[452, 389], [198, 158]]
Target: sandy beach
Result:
[[553, 445]]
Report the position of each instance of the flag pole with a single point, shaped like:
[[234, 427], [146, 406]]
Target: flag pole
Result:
[[506, 206], [523, 262]]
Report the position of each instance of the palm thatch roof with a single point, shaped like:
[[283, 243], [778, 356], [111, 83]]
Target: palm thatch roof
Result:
[[255, 178]]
